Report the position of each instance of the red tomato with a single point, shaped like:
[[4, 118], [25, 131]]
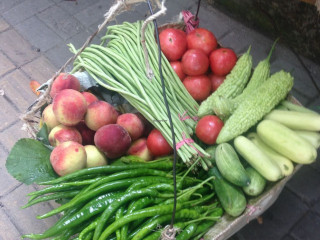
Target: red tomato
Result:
[[199, 86], [157, 144], [216, 81], [195, 62], [208, 129], [173, 43], [177, 67], [222, 61], [201, 38]]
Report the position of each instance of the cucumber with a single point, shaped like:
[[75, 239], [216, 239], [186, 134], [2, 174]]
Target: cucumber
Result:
[[257, 183], [284, 163], [230, 166], [286, 142], [311, 137], [212, 151], [257, 159], [231, 197], [296, 120]]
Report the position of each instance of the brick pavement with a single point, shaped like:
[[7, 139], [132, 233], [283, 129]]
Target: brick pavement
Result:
[[33, 38]]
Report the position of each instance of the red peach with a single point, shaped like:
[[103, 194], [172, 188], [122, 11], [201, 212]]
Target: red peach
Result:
[[139, 148], [100, 113], [61, 133], [69, 107], [86, 133], [68, 157], [147, 125], [95, 157], [113, 140], [49, 118], [132, 123], [90, 98], [64, 81]]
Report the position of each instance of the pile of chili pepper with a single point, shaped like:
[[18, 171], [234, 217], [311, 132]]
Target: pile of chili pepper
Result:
[[128, 200]]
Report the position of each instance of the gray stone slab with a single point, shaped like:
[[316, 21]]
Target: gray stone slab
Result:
[[58, 55], [8, 230], [5, 5], [79, 39], [8, 114], [304, 183], [6, 65], [3, 25], [38, 34], [308, 228], [11, 135], [60, 21], [277, 220], [25, 10], [8, 183], [16, 48], [74, 7], [16, 82], [25, 219], [94, 13], [40, 69]]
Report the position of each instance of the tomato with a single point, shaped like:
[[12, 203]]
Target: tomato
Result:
[[222, 61], [216, 81], [195, 62], [208, 129], [173, 43], [199, 86], [201, 38], [177, 67], [157, 144]]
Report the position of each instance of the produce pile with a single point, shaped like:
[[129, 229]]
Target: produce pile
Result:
[[111, 171]]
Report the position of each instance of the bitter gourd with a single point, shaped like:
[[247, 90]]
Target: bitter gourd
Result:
[[232, 86], [256, 106], [224, 107]]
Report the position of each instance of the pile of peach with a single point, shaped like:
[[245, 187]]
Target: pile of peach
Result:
[[86, 131]]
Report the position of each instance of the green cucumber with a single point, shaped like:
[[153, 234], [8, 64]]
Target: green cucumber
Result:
[[257, 159], [257, 183], [286, 142], [296, 120], [310, 136], [284, 163], [212, 152], [231, 197], [230, 166]]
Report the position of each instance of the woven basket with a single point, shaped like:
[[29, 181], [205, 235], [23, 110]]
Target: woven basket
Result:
[[221, 230]]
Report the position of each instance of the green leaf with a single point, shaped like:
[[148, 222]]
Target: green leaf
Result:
[[29, 162], [42, 135]]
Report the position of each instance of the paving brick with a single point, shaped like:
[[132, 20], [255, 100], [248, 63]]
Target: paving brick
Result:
[[40, 69], [79, 39], [38, 34], [8, 182], [6, 65], [303, 184], [25, 219], [308, 228], [8, 230], [64, 24], [16, 89], [58, 55], [16, 48], [25, 10], [315, 104], [277, 220], [302, 98], [316, 207], [74, 7], [8, 4], [7, 112], [94, 13], [316, 164], [313, 68], [3, 25], [288, 237]]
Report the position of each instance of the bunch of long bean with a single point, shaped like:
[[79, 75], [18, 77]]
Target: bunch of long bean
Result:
[[122, 206], [120, 66]]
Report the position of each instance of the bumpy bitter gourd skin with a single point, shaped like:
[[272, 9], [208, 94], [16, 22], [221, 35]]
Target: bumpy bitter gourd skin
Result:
[[258, 104], [232, 86]]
